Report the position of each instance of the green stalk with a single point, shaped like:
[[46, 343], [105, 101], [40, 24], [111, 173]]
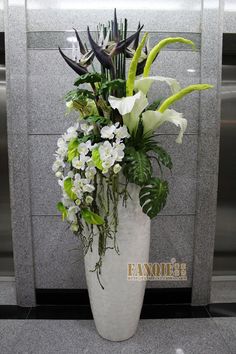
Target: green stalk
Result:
[[133, 67], [154, 52], [170, 100]]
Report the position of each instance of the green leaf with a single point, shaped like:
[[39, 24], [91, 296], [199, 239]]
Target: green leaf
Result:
[[113, 84], [91, 218], [97, 120], [62, 209], [96, 159], [78, 95], [68, 184], [163, 157], [72, 149], [138, 168], [153, 196], [90, 78]]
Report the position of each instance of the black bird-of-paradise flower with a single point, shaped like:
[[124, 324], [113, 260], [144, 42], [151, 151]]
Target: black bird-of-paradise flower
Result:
[[104, 53]]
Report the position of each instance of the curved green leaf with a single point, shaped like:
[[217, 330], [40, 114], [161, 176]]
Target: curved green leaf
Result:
[[68, 184], [62, 209], [90, 78], [138, 168], [91, 217], [72, 149], [153, 196]]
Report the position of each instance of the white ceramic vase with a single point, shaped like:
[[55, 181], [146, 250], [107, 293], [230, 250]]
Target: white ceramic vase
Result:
[[116, 308]]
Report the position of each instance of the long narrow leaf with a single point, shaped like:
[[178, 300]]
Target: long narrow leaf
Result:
[[133, 67], [170, 100], [154, 52]]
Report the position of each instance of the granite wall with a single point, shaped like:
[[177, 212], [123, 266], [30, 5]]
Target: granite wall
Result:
[[46, 254]]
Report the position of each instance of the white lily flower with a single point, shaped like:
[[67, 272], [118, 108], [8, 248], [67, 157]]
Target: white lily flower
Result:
[[144, 83], [130, 108], [108, 131], [154, 119]]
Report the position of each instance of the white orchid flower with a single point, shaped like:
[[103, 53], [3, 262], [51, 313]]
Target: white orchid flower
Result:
[[116, 168], [144, 83], [154, 119], [86, 128], [105, 150], [108, 131], [122, 132], [130, 108]]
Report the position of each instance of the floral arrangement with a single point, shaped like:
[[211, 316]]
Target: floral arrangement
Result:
[[114, 142]]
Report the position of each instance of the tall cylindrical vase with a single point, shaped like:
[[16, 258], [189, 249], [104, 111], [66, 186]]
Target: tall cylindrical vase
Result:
[[116, 308]]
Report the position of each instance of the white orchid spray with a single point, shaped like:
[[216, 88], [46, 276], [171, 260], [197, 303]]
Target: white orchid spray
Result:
[[114, 140]]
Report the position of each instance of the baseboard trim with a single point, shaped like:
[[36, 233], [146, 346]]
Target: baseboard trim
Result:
[[79, 297]]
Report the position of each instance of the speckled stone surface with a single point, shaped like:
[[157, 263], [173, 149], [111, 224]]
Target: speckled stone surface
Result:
[[229, 16], [7, 293], [18, 151], [211, 49], [191, 336], [161, 15], [223, 291], [1, 16], [227, 328], [59, 261], [61, 265], [53, 39]]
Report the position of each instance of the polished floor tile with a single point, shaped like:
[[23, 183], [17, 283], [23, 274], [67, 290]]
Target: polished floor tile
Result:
[[222, 310], [171, 336], [227, 328]]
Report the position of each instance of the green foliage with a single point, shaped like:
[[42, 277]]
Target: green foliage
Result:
[[153, 196], [91, 217], [138, 168], [89, 78], [68, 184], [62, 209], [78, 95], [97, 120], [106, 86], [96, 159], [72, 149]]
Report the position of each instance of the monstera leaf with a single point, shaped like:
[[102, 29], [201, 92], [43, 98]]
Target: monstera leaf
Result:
[[138, 168], [153, 196]]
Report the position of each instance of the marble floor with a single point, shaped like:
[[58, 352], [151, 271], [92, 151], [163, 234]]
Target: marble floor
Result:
[[164, 336]]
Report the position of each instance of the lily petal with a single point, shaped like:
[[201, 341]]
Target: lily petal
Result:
[[144, 84], [154, 119], [130, 108]]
